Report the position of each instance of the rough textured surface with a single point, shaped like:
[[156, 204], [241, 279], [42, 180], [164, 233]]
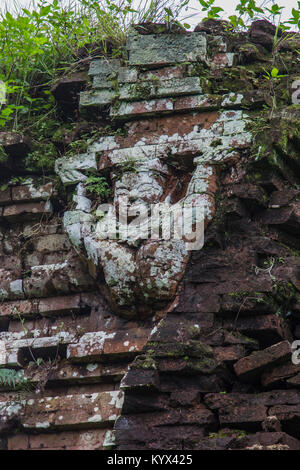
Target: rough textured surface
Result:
[[140, 343]]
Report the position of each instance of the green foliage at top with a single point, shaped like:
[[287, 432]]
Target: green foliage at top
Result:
[[40, 43], [250, 10]]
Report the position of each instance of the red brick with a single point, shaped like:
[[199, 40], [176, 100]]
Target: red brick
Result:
[[249, 368], [280, 373], [22, 307], [29, 210], [229, 353], [60, 305], [82, 440], [87, 410]]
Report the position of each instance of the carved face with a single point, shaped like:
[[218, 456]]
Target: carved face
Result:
[[140, 187], [141, 273], [144, 184]]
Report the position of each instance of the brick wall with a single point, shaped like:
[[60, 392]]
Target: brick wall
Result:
[[145, 345]]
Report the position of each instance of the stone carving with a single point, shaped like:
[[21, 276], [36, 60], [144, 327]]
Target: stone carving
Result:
[[156, 162]]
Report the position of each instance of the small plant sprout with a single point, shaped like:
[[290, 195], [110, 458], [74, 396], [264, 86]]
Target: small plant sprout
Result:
[[98, 185], [273, 75]]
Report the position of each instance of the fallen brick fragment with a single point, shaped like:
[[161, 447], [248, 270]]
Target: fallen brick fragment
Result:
[[249, 368]]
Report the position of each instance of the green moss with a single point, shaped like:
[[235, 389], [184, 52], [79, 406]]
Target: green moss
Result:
[[223, 433], [42, 159], [194, 332], [196, 348], [216, 142], [191, 349], [204, 366], [140, 91], [145, 362]]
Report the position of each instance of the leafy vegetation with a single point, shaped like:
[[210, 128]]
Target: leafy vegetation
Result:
[[39, 44], [250, 10], [97, 185], [50, 39], [11, 378]]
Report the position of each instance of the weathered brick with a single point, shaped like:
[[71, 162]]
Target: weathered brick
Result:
[[289, 416], [278, 374], [268, 329], [139, 379], [72, 411], [81, 440], [165, 88], [31, 192], [229, 354], [166, 49], [18, 308], [127, 75], [27, 211], [60, 305], [96, 99], [249, 368], [101, 344], [294, 381], [104, 67], [243, 417], [10, 357], [64, 278], [53, 242], [164, 73], [14, 144], [76, 374]]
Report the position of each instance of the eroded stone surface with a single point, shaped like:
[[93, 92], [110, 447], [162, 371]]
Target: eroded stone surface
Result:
[[143, 274]]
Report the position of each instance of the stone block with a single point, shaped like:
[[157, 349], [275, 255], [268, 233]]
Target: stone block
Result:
[[165, 49], [139, 380], [100, 345], [51, 243], [18, 308], [104, 67], [14, 144], [26, 211], [96, 99], [280, 374], [10, 357], [249, 368], [68, 440], [30, 192], [160, 88], [127, 75], [268, 329], [72, 374], [67, 412], [70, 169]]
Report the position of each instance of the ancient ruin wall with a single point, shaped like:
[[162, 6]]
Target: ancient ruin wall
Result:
[[142, 343]]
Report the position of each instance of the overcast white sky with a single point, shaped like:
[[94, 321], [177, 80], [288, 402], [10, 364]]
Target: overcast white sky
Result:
[[227, 5]]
